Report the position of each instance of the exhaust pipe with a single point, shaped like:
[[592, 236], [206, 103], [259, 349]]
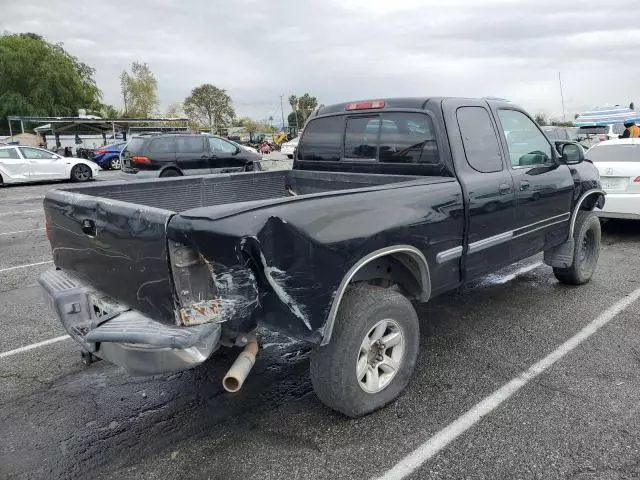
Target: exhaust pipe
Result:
[[237, 374]]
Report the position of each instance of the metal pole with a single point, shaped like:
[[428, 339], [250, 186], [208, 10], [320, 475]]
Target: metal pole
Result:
[[22, 126], [10, 131], [282, 111], [113, 128], [561, 96]]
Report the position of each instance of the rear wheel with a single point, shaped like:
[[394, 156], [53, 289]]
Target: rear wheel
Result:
[[587, 238], [115, 163], [81, 173], [170, 172], [372, 352]]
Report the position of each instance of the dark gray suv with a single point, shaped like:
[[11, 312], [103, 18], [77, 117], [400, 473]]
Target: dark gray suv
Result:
[[171, 155]]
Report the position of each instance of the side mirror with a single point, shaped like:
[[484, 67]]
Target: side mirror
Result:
[[238, 150], [54, 156], [571, 153]]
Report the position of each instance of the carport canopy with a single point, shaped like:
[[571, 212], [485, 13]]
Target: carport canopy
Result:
[[92, 124]]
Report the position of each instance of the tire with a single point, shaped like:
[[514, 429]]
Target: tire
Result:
[[115, 163], [170, 172], [80, 173], [587, 237], [334, 367]]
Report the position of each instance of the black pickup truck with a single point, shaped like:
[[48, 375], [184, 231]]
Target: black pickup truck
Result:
[[388, 201]]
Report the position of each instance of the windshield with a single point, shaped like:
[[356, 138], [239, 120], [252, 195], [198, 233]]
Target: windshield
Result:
[[593, 130], [615, 153]]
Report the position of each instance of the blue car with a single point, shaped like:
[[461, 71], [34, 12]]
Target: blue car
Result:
[[108, 157]]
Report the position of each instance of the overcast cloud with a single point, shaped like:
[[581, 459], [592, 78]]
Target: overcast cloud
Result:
[[353, 49]]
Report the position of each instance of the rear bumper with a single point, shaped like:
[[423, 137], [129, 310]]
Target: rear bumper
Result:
[[621, 205], [112, 331]]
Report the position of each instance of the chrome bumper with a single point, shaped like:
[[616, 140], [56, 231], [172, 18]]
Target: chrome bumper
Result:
[[112, 331]]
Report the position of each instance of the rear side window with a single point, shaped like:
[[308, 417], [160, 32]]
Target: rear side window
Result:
[[615, 153], [134, 145], [162, 145], [322, 139], [194, 144], [479, 139], [8, 153]]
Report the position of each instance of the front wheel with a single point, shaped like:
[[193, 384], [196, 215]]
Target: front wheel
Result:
[[372, 352], [587, 238], [81, 173]]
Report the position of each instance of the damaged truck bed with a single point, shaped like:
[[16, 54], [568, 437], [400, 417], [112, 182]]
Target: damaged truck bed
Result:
[[389, 201]]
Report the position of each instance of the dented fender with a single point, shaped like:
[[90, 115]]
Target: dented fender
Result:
[[283, 265]]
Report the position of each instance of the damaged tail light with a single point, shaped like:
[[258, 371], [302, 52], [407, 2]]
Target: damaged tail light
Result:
[[194, 286], [140, 160]]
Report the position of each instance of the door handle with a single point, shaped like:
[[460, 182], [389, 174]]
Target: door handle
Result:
[[505, 188], [524, 185]]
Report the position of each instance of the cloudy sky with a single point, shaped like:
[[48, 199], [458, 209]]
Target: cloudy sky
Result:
[[353, 49]]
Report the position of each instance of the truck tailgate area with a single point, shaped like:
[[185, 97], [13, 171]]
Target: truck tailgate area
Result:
[[113, 235]]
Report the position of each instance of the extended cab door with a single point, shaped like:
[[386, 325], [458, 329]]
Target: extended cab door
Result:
[[544, 187], [486, 182]]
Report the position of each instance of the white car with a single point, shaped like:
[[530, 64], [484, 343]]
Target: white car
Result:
[[618, 162], [29, 164], [591, 136], [289, 147]]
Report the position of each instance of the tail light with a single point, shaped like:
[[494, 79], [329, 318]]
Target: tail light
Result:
[[140, 160], [99, 151], [602, 138], [364, 105], [636, 180]]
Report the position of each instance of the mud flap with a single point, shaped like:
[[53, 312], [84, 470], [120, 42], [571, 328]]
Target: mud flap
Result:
[[560, 256]]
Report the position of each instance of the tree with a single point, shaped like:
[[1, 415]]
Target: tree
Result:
[[209, 105], [540, 119], [139, 91], [175, 111], [41, 78], [302, 108], [291, 118]]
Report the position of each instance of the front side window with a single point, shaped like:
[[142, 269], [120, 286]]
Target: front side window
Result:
[[527, 145], [36, 154], [219, 145], [479, 139]]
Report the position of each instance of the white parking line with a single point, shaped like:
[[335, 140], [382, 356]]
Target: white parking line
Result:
[[34, 345], [22, 231], [448, 434], [24, 266]]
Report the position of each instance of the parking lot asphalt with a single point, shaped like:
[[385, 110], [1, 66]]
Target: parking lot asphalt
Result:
[[579, 419]]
